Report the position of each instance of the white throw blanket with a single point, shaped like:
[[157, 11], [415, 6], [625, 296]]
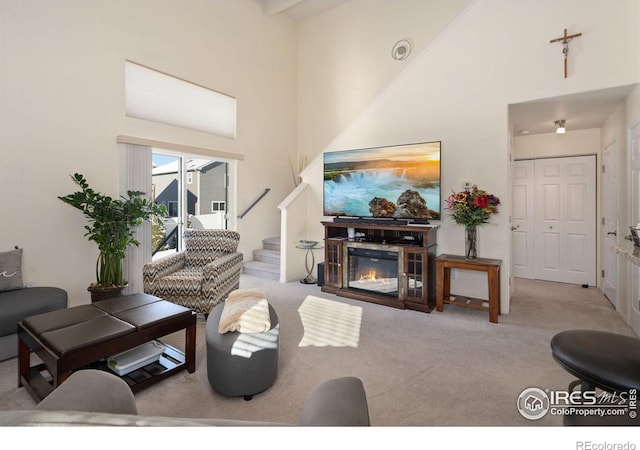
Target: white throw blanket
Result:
[[245, 311]]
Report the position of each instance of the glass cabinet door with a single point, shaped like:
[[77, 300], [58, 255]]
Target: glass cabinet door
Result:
[[333, 263]]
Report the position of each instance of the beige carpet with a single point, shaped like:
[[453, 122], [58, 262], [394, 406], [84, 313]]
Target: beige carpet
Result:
[[440, 369]]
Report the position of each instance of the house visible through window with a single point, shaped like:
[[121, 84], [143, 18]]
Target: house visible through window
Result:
[[197, 202]]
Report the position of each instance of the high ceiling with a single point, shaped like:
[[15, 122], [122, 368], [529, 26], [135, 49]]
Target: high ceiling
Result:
[[580, 111]]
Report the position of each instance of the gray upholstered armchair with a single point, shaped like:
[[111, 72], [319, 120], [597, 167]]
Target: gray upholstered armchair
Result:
[[202, 275]]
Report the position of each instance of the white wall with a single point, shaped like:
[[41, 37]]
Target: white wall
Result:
[[344, 59], [62, 106], [496, 52], [572, 143]]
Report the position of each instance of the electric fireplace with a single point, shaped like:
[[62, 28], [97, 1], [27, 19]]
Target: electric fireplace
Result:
[[385, 263], [373, 270]]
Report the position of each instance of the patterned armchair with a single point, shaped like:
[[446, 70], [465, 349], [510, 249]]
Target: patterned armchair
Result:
[[202, 275]]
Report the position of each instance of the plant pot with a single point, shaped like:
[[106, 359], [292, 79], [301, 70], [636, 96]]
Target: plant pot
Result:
[[99, 293]]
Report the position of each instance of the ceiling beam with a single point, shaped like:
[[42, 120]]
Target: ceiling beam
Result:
[[272, 7]]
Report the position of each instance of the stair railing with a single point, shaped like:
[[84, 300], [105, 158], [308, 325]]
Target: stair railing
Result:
[[173, 233], [255, 202]]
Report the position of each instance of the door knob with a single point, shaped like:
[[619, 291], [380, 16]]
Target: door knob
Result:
[[515, 228]]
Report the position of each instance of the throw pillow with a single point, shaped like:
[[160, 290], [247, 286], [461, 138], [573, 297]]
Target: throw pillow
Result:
[[11, 270]]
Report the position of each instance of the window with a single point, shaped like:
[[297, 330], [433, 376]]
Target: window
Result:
[[217, 206], [161, 98], [155, 96], [194, 190], [172, 208]]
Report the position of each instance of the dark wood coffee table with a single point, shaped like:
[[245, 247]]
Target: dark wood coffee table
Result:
[[84, 336]]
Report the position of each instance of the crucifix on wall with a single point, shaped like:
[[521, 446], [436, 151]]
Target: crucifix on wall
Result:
[[565, 39]]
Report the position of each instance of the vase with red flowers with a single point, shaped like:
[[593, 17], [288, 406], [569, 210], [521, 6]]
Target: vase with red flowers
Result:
[[471, 208]]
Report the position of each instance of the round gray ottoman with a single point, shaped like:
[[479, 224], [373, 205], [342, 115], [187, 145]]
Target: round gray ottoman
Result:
[[241, 364]]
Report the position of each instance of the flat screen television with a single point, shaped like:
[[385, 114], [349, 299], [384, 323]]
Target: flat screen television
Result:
[[394, 182]]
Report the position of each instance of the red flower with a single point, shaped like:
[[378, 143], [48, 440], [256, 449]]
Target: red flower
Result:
[[472, 207], [481, 201]]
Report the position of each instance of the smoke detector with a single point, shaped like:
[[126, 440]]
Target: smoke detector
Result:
[[401, 50]]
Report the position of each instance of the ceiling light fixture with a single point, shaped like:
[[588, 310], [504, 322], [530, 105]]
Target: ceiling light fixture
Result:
[[560, 126]]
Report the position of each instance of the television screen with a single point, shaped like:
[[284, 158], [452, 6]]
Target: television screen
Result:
[[401, 182]]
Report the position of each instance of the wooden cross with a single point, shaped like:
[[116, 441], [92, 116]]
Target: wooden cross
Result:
[[565, 46]]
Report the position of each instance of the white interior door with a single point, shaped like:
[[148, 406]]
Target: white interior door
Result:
[[609, 222], [522, 219], [634, 218], [565, 224]]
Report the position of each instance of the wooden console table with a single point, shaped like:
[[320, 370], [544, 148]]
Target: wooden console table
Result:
[[444, 264]]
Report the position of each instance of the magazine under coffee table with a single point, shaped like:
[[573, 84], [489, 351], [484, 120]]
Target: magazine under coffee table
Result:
[[84, 336]]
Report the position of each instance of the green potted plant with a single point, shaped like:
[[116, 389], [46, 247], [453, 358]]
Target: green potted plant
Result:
[[112, 223]]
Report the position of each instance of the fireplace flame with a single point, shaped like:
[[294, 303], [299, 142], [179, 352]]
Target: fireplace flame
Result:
[[371, 276]]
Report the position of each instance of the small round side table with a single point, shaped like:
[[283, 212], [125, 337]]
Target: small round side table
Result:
[[309, 279]]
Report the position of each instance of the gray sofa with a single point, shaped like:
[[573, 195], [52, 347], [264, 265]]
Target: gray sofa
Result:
[[81, 401], [17, 304]]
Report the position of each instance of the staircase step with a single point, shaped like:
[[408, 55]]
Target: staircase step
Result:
[[268, 256], [262, 269], [272, 243]]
